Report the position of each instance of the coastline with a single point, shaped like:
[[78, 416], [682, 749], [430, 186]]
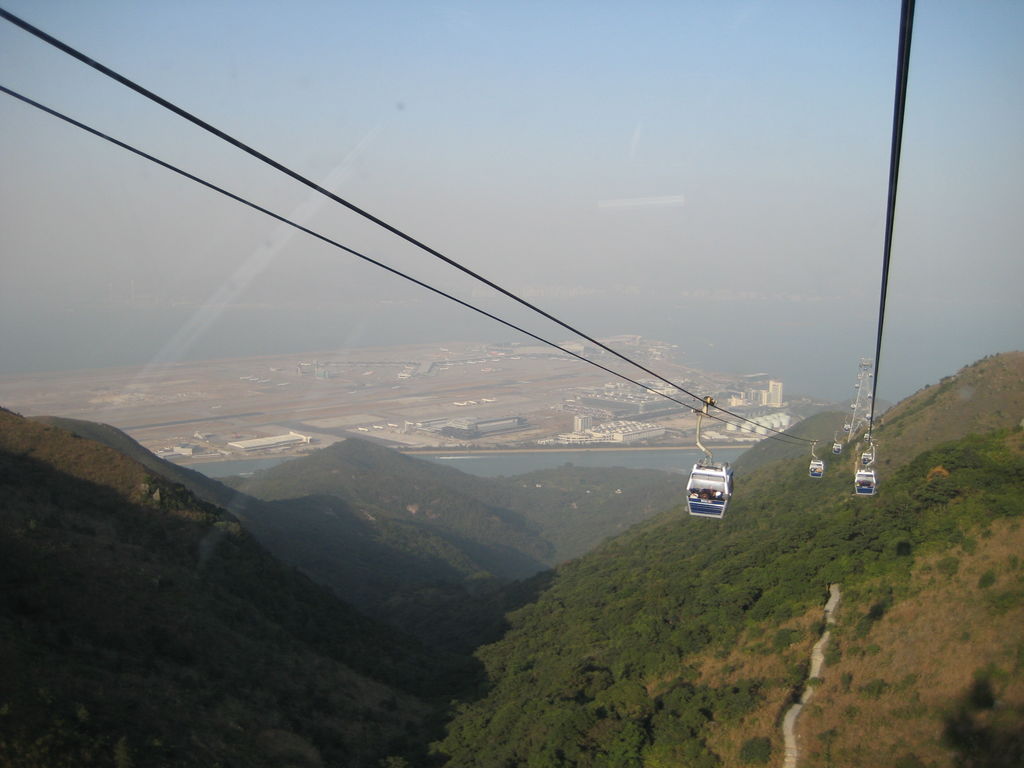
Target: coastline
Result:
[[560, 449], [193, 461], [498, 461]]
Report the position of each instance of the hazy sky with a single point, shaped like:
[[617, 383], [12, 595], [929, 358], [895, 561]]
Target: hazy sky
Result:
[[708, 173]]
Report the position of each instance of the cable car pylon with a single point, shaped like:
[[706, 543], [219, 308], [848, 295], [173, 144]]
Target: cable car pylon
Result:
[[860, 402]]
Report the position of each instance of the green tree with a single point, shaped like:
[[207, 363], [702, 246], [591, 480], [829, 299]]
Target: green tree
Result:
[[756, 750]]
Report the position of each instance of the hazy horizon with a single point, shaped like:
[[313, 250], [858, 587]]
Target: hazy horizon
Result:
[[709, 175]]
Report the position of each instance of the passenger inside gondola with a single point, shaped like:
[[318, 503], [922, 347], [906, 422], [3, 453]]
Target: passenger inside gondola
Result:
[[709, 489]]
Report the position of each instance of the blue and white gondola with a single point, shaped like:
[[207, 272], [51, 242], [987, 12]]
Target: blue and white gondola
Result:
[[865, 483], [817, 468], [709, 489], [710, 485]]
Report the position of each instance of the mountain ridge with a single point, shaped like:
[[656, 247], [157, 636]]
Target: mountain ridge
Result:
[[126, 598]]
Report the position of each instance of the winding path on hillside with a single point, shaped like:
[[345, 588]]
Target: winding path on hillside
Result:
[[817, 662]]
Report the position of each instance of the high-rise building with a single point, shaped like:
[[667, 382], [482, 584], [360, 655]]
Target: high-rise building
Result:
[[582, 423], [774, 394]]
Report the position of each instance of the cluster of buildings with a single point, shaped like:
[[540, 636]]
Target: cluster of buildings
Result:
[[616, 400], [468, 428], [769, 398], [256, 444], [585, 432]]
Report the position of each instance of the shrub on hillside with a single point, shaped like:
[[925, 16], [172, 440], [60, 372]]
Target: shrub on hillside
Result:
[[756, 750]]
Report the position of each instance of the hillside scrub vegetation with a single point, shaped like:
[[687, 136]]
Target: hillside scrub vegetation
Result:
[[606, 667], [430, 549], [140, 625], [425, 548], [546, 517]]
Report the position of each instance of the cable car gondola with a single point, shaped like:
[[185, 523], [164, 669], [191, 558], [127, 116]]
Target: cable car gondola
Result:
[[865, 483], [710, 485], [817, 466], [709, 488]]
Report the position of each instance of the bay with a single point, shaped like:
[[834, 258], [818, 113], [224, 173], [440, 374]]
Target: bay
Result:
[[497, 463], [218, 469]]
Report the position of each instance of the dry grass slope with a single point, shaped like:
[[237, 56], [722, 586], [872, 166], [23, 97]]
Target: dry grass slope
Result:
[[981, 397], [939, 675], [778, 657], [77, 456]]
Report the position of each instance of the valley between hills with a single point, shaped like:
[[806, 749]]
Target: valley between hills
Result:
[[358, 607]]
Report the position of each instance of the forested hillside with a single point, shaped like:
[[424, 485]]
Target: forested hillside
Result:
[[391, 569], [427, 547], [140, 625], [683, 641], [576, 508], [412, 543], [978, 398], [986, 395], [549, 516], [510, 526], [821, 426], [384, 485]]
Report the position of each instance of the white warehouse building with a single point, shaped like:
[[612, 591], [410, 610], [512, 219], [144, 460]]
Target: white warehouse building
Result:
[[276, 441], [612, 432]]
